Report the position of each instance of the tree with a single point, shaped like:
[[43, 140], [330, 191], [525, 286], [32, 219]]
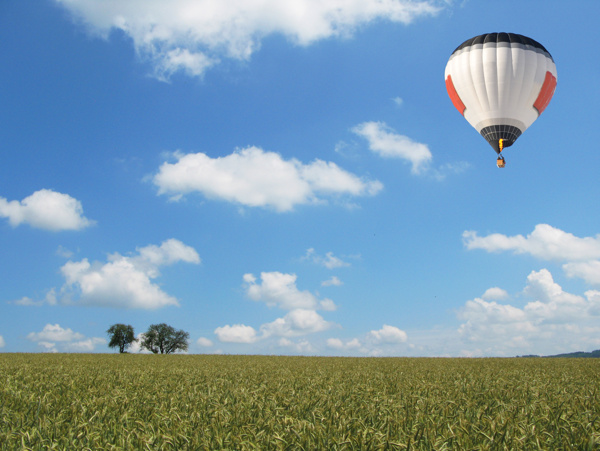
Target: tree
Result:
[[121, 336], [165, 339]]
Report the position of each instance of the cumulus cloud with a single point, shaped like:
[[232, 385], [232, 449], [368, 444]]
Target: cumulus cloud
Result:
[[53, 336], [389, 340], [87, 345], [389, 334], [588, 271], [550, 315], [545, 242], [238, 333], [447, 169], [354, 343], [192, 36], [494, 293], [48, 346], [64, 252], [479, 311], [332, 281], [295, 323], [329, 261], [49, 299], [125, 281], [277, 289], [551, 302], [593, 296], [45, 209], [2, 344], [301, 346], [136, 346], [171, 251], [53, 332], [204, 342], [385, 142], [253, 177], [337, 343]]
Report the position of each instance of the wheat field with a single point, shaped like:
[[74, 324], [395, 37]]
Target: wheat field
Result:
[[189, 402]]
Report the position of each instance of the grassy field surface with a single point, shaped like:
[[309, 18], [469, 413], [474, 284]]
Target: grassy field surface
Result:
[[78, 401]]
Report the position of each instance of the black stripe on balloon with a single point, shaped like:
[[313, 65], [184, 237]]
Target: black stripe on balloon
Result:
[[511, 38], [494, 133]]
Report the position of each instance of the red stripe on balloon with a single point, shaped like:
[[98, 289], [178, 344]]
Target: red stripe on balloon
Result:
[[546, 93], [454, 96]]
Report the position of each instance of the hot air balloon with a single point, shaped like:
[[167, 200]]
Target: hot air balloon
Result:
[[500, 83]]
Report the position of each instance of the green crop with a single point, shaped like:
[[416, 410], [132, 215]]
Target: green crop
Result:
[[154, 402]]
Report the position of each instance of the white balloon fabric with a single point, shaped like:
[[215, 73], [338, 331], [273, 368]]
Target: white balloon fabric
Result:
[[500, 83]]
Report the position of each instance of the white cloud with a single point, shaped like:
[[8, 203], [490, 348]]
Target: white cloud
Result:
[[329, 261], [125, 281], [328, 305], [388, 334], [552, 303], [302, 346], [354, 343], [255, 178], [64, 252], [545, 242], [193, 64], [171, 251], [115, 284], [551, 316], [53, 332], [480, 311], [87, 345], [48, 346], [594, 297], [280, 290], [204, 342], [295, 323], [446, 169], [347, 149], [333, 281], [50, 299], [54, 336], [495, 294], [336, 343], [389, 340], [2, 343], [46, 209], [588, 271], [388, 144], [193, 35], [238, 333], [136, 346]]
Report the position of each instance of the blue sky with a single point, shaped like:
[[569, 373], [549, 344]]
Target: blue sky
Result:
[[291, 178]]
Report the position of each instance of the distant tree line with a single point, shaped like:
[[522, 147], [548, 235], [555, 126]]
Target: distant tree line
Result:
[[159, 338], [578, 355]]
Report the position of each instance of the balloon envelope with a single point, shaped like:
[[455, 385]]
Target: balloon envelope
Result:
[[500, 83]]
